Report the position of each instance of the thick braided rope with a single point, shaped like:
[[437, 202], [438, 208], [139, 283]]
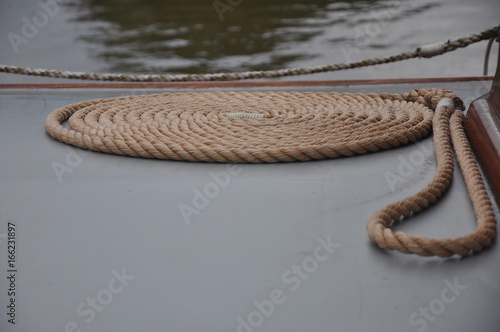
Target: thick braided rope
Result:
[[424, 51], [379, 223], [278, 126], [270, 127]]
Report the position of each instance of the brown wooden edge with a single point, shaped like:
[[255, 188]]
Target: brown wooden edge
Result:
[[233, 84], [482, 126]]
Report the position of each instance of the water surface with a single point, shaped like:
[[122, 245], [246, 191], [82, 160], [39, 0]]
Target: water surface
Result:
[[193, 36]]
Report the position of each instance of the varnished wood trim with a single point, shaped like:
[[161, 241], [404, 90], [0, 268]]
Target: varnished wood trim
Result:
[[483, 130], [238, 84], [482, 126]]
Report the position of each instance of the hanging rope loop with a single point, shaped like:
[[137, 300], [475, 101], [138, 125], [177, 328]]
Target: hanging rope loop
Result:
[[488, 51], [448, 128]]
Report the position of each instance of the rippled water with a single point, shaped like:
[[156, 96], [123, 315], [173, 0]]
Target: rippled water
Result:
[[193, 36]]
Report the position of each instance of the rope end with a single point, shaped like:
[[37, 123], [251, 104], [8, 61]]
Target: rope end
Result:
[[447, 102]]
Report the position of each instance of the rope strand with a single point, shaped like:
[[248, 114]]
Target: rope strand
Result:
[[424, 51], [488, 51]]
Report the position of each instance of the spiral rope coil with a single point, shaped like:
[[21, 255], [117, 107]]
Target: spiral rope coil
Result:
[[269, 127]]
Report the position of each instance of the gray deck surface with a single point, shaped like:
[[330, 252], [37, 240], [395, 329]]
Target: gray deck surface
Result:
[[110, 215]]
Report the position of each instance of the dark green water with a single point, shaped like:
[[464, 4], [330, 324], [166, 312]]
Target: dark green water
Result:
[[202, 36]]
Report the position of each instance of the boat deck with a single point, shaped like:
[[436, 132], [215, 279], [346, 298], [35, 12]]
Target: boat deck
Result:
[[113, 243]]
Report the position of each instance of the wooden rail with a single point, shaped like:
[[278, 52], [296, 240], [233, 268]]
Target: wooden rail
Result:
[[482, 126], [239, 84]]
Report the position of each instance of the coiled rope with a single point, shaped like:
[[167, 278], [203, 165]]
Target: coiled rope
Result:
[[427, 51], [269, 127]]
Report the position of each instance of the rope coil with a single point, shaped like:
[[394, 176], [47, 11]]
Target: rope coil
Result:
[[269, 127]]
